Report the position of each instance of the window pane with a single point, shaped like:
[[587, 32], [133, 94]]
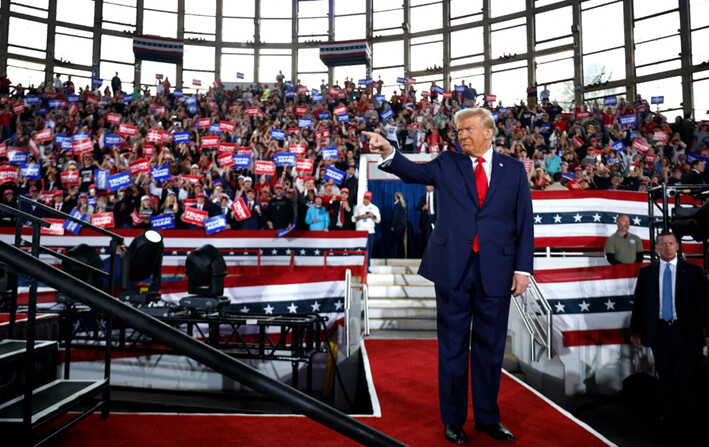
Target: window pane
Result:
[[199, 58], [606, 21], [117, 48], [276, 31], [79, 12], [160, 24], [664, 25], [606, 66], [699, 13], [498, 8], [352, 72], [202, 27], [148, 70], [161, 5], [206, 78], [509, 41], [466, 42], [242, 8], [658, 50], [700, 51], [427, 17], [309, 60], [27, 34], [670, 88], [25, 73], [562, 92], [237, 63], [388, 19], [427, 55], [277, 8], [313, 8], [76, 50], [118, 13], [238, 30], [465, 7], [658, 68], [388, 77], [644, 9], [313, 28], [510, 86], [701, 104], [350, 27], [271, 64], [555, 23], [204, 7], [350, 7], [386, 54], [125, 73], [556, 69]]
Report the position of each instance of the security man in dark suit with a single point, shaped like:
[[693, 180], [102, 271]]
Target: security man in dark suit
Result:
[[671, 316], [428, 206]]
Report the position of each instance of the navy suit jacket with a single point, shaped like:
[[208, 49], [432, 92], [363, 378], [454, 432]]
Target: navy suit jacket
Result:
[[690, 303], [504, 223]]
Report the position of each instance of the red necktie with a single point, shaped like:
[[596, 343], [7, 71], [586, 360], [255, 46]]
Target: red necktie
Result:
[[481, 186]]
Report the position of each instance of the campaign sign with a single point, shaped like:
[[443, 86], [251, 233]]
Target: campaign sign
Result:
[[60, 139], [544, 128], [379, 99], [317, 97], [82, 146], [101, 179], [494, 116], [388, 113], [323, 115], [70, 178], [264, 167], [181, 137], [304, 165], [305, 122], [661, 136], [293, 130], [490, 98], [438, 89], [226, 126], [278, 134], [333, 91], [8, 174], [334, 174], [425, 94], [127, 99], [239, 210], [30, 171], [91, 100], [112, 139], [582, 115], [290, 94], [610, 100], [72, 110], [242, 161], [113, 118], [447, 95], [215, 224], [71, 226], [362, 82], [203, 123], [118, 181], [284, 159], [577, 141], [322, 133], [159, 173], [103, 220], [657, 100], [193, 179], [210, 141], [29, 100], [628, 120], [343, 118], [340, 110], [17, 156], [302, 89], [460, 88], [640, 146], [297, 149], [226, 148], [214, 128], [194, 216], [43, 135], [301, 110], [137, 166], [162, 222], [126, 130], [329, 152], [80, 136], [225, 159], [400, 80], [56, 227], [55, 103], [72, 98], [618, 146], [18, 108]]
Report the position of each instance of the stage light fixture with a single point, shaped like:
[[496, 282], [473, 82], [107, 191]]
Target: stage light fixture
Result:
[[142, 260], [692, 222], [206, 270], [88, 256]]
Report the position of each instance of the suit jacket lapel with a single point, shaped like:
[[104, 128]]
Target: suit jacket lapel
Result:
[[654, 286], [496, 173], [466, 169]]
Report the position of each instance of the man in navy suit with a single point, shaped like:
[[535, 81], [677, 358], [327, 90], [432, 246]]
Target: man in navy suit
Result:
[[671, 316], [481, 252], [428, 205]]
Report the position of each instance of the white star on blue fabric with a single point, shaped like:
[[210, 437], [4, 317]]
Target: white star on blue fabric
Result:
[[315, 306], [577, 217], [317, 252], [339, 305], [274, 252], [610, 305], [537, 219], [244, 309], [636, 221], [560, 307], [292, 308], [596, 217], [268, 309], [302, 252], [584, 306], [288, 251], [557, 219]]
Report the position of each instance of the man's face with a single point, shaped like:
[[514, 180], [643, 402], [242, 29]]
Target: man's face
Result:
[[473, 137], [700, 166], [429, 188], [623, 223], [667, 247]]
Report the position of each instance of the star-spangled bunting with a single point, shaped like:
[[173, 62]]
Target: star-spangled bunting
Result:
[[621, 303], [575, 217], [319, 305]]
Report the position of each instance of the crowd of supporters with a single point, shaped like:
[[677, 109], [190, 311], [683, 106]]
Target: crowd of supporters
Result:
[[588, 146]]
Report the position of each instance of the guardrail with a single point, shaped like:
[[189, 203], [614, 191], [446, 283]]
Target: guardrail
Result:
[[536, 315]]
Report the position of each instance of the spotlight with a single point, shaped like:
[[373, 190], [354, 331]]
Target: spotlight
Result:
[[83, 255], [141, 261], [206, 270], [692, 222]]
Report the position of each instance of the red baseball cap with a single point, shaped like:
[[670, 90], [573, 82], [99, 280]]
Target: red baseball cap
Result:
[[368, 195]]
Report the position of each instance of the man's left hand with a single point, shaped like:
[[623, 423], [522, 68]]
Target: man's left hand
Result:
[[520, 282]]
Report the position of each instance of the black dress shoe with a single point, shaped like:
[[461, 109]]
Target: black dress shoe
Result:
[[496, 431], [455, 434]]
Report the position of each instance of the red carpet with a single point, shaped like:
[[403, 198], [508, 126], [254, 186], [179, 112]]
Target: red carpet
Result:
[[404, 375]]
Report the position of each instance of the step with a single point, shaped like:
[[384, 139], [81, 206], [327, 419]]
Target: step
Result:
[[402, 303], [393, 269], [376, 291], [413, 324], [403, 279], [51, 400], [396, 262], [407, 313], [14, 350]]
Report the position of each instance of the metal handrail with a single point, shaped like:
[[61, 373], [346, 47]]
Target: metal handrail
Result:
[[536, 313]]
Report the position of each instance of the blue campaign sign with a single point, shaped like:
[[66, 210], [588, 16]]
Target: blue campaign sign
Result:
[[239, 75], [242, 161], [314, 91], [286, 230], [178, 93], [97, 82], [118, 181], [55, 103], [160, 173], [30, 171], [72, 98], [29, 100], [466, 106], [329, 152], [317, 97], [112, 139], [401, 80], [323, 115], [610, 100], [127, 99], [17, 157], [368, 81], [214, 128], [181, 137], [378, 99], [192, 109], [334, 174], [215, 224], [162, 222], [70, 225], [657, 100], [278, 134], [544, 128], [59, 139], [344, 118], [101, 179], [460, 88], [288, 84], [50, 123], [80, 136], [502, 110], [628, 120], [305, 122], [388, 113], [618, 146], [691, 156], [438, 89], [191, 100], [290, 94], [284, 159], [494, 116]]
